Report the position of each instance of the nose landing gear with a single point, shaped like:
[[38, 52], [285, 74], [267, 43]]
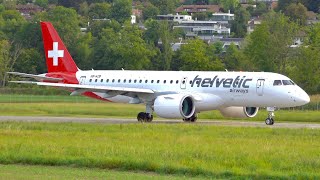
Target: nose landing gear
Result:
[[270, 118]]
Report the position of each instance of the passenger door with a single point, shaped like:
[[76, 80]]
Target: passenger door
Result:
[[260, 86]]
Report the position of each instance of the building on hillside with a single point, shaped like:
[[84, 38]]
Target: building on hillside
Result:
[[312, 18], [190, 9], [27, 10], [133, 19], [205, 30], [252, 24], [137, 12], [176, 18], [222, 16]]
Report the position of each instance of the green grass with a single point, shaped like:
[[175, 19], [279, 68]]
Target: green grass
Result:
[[36, 105], [115, 110], [179, 149], [65, 172]]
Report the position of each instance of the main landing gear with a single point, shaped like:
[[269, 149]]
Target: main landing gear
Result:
[[146, 116], [270, 118], [193, 118]]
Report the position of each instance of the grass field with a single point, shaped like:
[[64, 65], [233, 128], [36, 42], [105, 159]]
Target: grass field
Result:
[[65, 172], [181, 149], [37, 105]]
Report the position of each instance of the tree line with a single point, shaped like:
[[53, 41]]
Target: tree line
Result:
[[116, 43]]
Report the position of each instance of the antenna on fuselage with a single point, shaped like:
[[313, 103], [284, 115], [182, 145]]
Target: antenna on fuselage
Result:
[[226, 70]]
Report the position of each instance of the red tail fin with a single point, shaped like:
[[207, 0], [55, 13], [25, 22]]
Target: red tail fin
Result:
[[57, 56]]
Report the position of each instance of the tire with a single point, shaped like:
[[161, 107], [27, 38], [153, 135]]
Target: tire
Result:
[[141, 116]]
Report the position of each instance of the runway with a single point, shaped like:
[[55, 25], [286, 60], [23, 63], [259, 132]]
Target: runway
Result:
[[234, 123]]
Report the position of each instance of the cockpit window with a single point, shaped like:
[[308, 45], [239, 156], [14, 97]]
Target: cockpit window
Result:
[[287, 82], [277, 83]]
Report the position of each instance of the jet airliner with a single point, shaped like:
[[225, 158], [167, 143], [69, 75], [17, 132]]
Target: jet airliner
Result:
[[169, 94]]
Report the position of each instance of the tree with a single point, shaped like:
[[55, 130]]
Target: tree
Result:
[[166, 40], [165, 6], [121, 10], [122, 49], [306, 69], [12, 22], [268, 47], [30, 62], [150, 11], [233, 57], [8, 57], [217, 47], [42, 3], [297, 13], [197, 56], [152, 35], [259, 10], [230, 5], [200, 16], [239, 24], [99, 11]]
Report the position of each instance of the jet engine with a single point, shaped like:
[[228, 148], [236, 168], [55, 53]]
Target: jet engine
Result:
[[174, 106], [239, 112]]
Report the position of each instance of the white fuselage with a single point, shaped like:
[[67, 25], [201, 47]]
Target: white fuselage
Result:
[[215, 89]]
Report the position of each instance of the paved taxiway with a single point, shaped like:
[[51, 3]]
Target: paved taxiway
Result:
[[133, 121]]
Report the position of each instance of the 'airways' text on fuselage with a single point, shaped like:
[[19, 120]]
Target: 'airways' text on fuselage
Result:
[[224, 82]]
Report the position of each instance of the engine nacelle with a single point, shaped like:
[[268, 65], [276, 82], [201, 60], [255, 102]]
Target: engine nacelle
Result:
[[174, 106], [239, 112]]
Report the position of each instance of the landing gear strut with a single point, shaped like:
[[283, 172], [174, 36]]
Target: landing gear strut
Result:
[[193, 118], [270, 118], [146, 116]]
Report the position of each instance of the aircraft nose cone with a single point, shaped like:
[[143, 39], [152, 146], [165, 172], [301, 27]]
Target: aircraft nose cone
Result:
[[303, 98]]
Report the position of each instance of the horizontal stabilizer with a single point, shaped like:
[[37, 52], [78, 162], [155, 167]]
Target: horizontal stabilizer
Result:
[[40, 77]]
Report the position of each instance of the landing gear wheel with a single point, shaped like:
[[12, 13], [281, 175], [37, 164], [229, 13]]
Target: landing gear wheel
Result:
[[193, 118], [269, 121], [144, 117], [149, 117], [141, 116]]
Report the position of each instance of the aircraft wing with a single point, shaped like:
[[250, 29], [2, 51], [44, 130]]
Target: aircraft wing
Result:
[[40, 77], [83, 88]]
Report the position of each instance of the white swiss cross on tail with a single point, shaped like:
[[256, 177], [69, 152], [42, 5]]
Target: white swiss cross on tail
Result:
[[55, 53]]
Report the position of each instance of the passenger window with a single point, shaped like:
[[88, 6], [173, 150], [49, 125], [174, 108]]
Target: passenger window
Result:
[[113, 80], [96, 80], [164, 81], [171, 81], [152, 81], [177, 81], [125, 81], [107, 80], [277, 83], [184, 81], [135, 81], [118, 80], [146, 81], [158, 81], [90, 80], [140, 81], [129, 80], [101, 80], [190, 82]]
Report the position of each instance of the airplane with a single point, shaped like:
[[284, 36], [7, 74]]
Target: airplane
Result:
[[169, 94]]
